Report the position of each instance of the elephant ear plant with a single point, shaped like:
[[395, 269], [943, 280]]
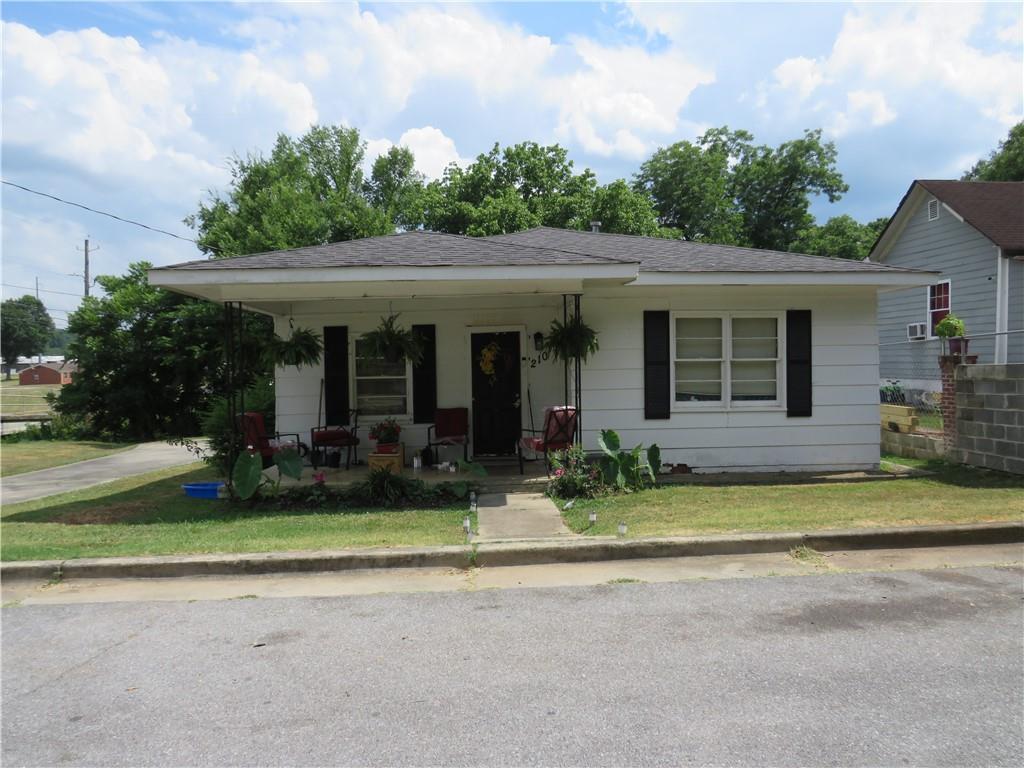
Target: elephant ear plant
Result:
[[627, 470], [247, 476]]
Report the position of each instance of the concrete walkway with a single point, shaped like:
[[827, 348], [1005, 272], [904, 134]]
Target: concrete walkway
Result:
[[83, 474], [503, 516]]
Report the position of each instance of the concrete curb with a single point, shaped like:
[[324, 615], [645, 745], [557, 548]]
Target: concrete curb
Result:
[[542, 551]]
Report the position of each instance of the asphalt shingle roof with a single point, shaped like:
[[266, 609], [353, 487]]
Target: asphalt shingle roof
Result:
[[534, 247], [661, 255], [407, 249], [994, 208]]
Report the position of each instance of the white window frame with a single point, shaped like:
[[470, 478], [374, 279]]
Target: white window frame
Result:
[[928, 304], [726, 403], [401, 418], [933, 203]]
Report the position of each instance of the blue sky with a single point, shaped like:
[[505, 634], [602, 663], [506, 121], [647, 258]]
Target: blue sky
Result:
[[134, 108]]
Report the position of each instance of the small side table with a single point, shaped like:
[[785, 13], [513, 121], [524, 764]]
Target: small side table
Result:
[[391, 461]]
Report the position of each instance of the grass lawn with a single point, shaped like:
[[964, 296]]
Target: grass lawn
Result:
[[31, 455], [150, 515], [955, 494], [28, 400]]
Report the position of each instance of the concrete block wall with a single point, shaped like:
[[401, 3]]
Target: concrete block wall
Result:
[[990, 416], [913, 445]]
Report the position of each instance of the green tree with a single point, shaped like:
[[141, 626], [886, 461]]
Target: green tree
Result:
[[841, 236], [25, 329], [691, 186], [308, 191], [772, 188], [528, 185], [1005, 163], [726, 189], [395, 187], [149, 360]]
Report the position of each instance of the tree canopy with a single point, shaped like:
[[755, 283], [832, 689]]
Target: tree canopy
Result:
[[25, 329], [1005, 163], [725, 189], [149, 360]]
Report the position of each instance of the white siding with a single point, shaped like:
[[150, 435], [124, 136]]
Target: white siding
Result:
[[841, 433]]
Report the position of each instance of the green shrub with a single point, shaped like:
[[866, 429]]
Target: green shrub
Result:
[[573, 476], [217, 426], [627, 470], [60, 427]]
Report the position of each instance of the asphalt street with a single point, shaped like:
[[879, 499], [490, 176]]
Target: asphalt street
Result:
[[908, 668]]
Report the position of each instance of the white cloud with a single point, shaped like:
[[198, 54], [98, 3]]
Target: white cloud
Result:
[[895, 51], [621, 96], [799, 74], [862, 108], [432, 149]]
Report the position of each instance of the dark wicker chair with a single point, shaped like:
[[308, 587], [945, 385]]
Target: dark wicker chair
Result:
[[450, 427]]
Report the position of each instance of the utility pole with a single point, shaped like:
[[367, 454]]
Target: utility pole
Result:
[[85, 275], [39, 357]]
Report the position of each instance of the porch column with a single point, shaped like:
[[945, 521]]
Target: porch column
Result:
[[234, 375], [947, 404], [578, 400]]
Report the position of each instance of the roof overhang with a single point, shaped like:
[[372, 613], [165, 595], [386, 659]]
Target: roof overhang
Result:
[[319, 283], [881, 279]]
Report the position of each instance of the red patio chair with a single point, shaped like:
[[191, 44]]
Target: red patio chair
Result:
[[450, 427], [322, 437], [254, 432], [557, 435]]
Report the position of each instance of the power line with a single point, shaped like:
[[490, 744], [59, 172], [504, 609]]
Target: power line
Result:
[[41, 290], [111, 215]]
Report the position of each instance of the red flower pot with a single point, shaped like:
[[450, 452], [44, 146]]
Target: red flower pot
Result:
[[387, 447]]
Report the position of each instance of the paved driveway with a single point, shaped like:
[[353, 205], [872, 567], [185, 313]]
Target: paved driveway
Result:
[[911, 668], [72, 477]]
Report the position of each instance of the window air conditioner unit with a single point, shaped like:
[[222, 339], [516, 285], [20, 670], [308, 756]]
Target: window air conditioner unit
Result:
[[916, 331]]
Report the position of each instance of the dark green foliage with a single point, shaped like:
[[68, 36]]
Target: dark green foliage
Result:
[[725, 189], [565, 341], [25, 329], [308, 191], [247, 475], [840, 236], [627, 470], [1005, 163], [396, 188], [59, 342], [60, 427], [529, 185], [216, 422], [150, 361], [574, 476], [302, 347], [394, 342]]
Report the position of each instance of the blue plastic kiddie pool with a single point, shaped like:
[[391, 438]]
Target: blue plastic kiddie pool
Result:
[[202, 490]]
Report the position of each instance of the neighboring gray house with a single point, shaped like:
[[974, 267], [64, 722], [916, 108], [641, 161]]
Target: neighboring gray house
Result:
[[973, 233]]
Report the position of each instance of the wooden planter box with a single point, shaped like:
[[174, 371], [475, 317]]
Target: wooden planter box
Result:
[[392, 461]]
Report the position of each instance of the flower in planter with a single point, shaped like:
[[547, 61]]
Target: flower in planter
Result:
[[319, 478], [386, 431]]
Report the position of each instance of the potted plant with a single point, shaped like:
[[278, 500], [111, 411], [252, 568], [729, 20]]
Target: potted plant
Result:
[[571, 339], [393, 342], [386, 434], [302, 347], [952, 328]]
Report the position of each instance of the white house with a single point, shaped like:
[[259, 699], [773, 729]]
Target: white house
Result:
[[728, 358]]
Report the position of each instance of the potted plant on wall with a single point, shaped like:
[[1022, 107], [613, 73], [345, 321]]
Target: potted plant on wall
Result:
[[952, 328], [571, 339], [386, 433], [393, 342]]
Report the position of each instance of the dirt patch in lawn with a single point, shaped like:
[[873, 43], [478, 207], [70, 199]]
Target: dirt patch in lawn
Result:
[[117, 512]]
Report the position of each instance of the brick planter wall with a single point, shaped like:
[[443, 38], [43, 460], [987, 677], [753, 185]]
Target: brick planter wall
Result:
[[988, 428]]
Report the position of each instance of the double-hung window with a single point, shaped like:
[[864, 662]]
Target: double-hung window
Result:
[[727, 360], [938, 304], [382, 387]]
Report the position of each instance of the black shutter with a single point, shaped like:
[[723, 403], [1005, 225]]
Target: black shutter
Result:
[[424, 377], [798, 362], [657, 382], [336, 398]]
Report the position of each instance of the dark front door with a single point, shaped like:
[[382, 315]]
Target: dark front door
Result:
[[497, 394]]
